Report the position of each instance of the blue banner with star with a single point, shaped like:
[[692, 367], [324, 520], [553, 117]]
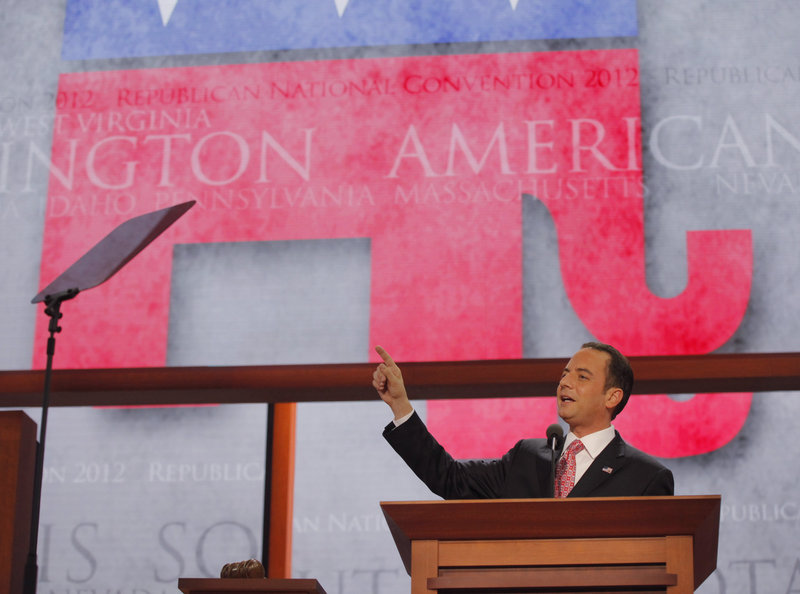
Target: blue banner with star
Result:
[[96, 29]]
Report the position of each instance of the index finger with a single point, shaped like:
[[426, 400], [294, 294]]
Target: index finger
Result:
[[385, 356]]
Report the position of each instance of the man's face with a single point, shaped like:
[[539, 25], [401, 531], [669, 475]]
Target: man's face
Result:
[[583, 402]]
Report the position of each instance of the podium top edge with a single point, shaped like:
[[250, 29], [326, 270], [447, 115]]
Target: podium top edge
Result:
[[712, 497]]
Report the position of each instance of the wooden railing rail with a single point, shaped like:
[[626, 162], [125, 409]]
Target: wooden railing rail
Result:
[[761, 372]]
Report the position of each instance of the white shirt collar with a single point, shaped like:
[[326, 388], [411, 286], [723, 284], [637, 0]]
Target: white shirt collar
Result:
[[594, 443]]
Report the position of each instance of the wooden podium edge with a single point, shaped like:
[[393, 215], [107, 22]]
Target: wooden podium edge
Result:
[[251, 585], [17, 462], [504, 519]]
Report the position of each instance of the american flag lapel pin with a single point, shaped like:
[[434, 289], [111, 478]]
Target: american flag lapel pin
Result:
[[608, 469]]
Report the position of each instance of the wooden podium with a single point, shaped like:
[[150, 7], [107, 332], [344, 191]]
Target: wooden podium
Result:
[[17, 462], [625, 544], [249, 586]]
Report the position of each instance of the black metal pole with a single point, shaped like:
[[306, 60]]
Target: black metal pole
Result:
[[52, 309], [268, 463]]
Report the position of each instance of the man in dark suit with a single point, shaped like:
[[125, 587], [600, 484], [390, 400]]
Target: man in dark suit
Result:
[[594, 387]]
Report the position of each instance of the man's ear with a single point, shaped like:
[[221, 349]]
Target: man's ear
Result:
[[613, 398]]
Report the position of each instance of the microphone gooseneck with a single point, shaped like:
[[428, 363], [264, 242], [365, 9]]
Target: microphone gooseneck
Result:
[[554, 435]]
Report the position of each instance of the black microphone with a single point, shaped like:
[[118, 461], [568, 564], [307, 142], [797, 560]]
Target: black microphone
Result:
[[554, 436]]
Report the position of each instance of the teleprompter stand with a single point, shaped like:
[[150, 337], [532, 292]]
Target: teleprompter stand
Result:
[[95, 267]]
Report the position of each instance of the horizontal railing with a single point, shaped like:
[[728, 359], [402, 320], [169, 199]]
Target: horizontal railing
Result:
[[761, 372]]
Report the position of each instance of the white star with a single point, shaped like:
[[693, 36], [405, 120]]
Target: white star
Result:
[[166, 7], [514, 4], [341, 5]]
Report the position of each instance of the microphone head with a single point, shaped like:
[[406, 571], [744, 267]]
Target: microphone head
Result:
[[556, 431]]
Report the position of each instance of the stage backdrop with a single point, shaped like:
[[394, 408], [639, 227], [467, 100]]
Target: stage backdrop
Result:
[[456, 180]]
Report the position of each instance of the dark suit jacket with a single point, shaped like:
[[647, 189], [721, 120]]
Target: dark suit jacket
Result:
[[524, 471]]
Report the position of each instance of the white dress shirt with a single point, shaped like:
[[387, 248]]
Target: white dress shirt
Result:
[[403, 419], [593, 444]]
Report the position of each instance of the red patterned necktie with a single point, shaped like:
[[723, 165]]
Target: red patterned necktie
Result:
[[565, 469]]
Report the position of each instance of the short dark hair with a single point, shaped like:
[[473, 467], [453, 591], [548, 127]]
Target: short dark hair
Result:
[[619, 373]]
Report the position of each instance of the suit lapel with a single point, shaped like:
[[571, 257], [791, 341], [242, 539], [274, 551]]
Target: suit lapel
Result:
[[607, 463]]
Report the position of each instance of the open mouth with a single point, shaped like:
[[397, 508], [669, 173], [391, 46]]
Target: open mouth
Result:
[[566, 399]]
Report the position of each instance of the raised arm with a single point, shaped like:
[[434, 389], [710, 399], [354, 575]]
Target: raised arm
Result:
[[388, 382]]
